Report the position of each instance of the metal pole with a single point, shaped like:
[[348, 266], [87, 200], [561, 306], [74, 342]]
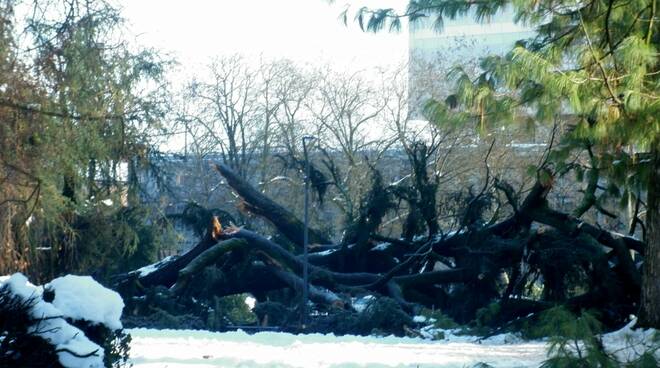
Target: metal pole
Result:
[[305, 291]]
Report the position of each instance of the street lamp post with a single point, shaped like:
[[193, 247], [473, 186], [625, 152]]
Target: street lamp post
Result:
[[305, 291]]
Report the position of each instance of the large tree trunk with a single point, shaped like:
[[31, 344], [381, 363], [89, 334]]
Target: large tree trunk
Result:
[[285, 221], [649, 315]]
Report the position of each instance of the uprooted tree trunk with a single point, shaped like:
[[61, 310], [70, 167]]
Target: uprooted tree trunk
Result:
[[458, 274], [255, 202]]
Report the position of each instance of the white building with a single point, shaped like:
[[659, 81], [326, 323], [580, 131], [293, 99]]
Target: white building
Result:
[[461, 41], [497, 35]]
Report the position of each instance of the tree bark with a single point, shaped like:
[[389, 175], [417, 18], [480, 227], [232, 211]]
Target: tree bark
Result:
[[620, 244], [285, 221], [649, 315], [316, 294], [167, 274], [203, 260]]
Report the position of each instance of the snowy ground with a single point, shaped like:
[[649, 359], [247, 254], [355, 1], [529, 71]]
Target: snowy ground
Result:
[[178, 349], [82, 298], [202, 349]]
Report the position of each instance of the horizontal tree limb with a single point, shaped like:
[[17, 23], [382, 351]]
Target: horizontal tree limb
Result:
[[203, 260]]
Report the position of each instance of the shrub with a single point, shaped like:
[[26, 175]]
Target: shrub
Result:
[[488, 315], [18, 346], [384, 315], [575, 341], [439, 319], [55, 327]]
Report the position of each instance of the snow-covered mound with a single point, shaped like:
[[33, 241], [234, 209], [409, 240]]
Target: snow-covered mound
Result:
[[77, 298], [82, 298], [627, 343]]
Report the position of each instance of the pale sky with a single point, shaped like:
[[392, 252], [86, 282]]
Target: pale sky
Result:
[[305, 31], [302, 30]]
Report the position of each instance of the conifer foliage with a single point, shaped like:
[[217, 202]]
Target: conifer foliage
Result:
[[77, 107]]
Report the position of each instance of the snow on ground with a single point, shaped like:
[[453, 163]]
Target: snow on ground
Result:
[[627, 343], [360, 304], [202, 349]]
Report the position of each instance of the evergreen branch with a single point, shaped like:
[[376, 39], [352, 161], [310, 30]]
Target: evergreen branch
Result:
[[589, 198], [416, 10], [34, 194], [598, 61], [36, 110], [608, 35], [65, 350], [625, 34], [650, 29], [547, 42]]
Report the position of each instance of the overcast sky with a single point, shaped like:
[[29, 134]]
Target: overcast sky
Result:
[[302, 30]]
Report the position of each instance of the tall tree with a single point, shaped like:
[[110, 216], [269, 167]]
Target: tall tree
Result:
[[593, 65], [76, 105]]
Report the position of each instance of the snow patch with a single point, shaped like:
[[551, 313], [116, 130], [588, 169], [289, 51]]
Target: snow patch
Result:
[[71, 342], [202, 349], [419, 319], [250, 302], [82, 298], [627, 343], [381, 247], [144, 271], [325, 252], [440, 266], [360, 304], [457, 336]]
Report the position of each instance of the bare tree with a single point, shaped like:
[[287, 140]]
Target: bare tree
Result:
[[294, 90], [347, 107], [227, 110]]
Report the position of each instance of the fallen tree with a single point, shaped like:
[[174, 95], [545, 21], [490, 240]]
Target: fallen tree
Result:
[[531, 261]]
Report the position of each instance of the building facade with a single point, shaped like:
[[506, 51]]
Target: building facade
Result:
[[462, 42]]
